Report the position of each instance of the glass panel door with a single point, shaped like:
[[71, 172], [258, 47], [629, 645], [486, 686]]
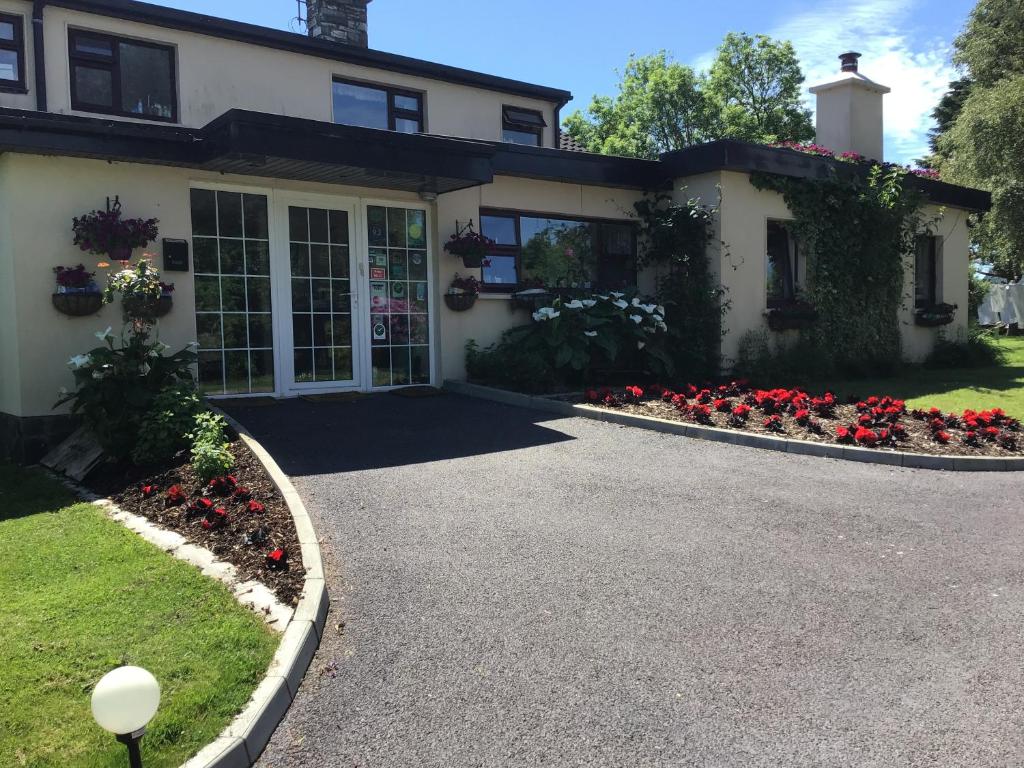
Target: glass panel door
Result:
[[322, 296], [399, 296]]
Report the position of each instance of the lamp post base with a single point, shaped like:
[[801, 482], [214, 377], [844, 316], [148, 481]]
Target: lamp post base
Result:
[[131, 740]]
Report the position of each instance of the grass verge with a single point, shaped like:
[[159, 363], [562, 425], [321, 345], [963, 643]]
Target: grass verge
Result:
[[82, 595]]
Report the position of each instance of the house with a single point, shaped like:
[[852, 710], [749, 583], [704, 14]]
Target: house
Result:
[[310, 183]]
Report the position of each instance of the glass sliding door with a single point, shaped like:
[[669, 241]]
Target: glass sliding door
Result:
[[399, 328], [231, 259], [322, 296]]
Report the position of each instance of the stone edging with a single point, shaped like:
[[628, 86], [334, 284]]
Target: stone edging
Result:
[[737, 437], [242, 742]]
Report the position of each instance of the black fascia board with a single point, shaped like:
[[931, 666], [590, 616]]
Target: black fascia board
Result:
[[745, 157], [578, 167], [187, 21], [245, 133]]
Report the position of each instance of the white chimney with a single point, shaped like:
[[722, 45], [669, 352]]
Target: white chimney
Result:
[[849, 111]]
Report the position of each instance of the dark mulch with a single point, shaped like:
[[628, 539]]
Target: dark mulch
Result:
[[919, 437], [246, 538]]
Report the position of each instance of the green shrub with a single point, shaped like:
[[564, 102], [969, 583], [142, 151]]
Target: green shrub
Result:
[[976, 351], [211, 451], [572, 340], [778, 364], [165, 429], [117, 383]]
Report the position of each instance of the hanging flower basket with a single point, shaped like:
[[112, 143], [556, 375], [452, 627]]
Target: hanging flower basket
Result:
[[78, 303], [794, 316], [935, 315], [460, 302], [469, 245], [106, 233]]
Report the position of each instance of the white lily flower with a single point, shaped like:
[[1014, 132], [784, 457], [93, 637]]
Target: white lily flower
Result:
[[591, 334], [602, 298], [636, 319], [104, 335], [635, 302], [648, 308], [641, 344], [192, 346], [588, 303], [79, 361], [617, 294], [574, 304], [660, 309], [158, 349], [620, 304], [658, 319]]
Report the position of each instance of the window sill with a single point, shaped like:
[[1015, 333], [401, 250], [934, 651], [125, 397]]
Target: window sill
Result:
[[496, 296], [13, 89]]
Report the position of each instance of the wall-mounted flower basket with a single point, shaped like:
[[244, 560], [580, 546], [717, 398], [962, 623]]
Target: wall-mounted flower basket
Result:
[[469, 245], [791, 317], [460, 302], [935, 315], [78, 303]]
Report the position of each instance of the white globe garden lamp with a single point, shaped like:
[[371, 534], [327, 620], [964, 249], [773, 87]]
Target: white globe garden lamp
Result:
[[123, 702]]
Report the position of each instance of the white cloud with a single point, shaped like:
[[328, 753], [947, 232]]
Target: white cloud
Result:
[[917, 70]]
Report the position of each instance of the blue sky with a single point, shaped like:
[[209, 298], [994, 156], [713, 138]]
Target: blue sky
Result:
[[579, 44]]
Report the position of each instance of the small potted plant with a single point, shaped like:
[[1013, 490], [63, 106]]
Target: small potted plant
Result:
[[462, 293], [792, 316], [468, 244], [144, 297], [106, 233], [77, 293], [934, 315]]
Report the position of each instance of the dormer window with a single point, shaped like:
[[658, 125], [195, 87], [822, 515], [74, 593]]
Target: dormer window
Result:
[[522, 126], [12, 53], [121, 76], [378, 106]]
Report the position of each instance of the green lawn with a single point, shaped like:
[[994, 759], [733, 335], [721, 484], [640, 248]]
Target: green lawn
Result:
[[82, 595], [953, 389]]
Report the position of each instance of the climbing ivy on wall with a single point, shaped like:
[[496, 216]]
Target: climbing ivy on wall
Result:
[[675, 240], [854, 229]]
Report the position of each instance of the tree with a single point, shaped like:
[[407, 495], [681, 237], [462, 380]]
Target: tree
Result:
[[756, 81], [984, 144], [751, 93], [660, 107]]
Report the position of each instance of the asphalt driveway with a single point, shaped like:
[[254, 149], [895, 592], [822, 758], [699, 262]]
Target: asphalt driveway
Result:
[[512, 588]]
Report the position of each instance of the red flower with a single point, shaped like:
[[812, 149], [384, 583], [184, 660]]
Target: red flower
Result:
[[175, 495], [971, 438], [255, 507], [223, 486], [277, 559], [843, 435], [942, 437], [741, 411], [865, 437], [773, 423], [591, 396], [200, 506], [722, 405], [634, 393], [215, 519], [242, 493], [990, 433], [149, 490]]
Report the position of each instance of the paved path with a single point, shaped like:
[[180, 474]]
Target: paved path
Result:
[[511, 588]]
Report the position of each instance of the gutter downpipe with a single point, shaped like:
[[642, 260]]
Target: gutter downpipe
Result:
[[38, 53], [558, 122]]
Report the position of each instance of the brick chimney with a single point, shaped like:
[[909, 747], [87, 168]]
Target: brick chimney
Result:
[[341, 21], [849, 111]]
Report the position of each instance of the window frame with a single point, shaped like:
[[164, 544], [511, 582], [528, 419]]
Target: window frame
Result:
[[517, 250], [18, 46], [933, 283], [509, 124], [394, 113], [792, 290], [76, 58]]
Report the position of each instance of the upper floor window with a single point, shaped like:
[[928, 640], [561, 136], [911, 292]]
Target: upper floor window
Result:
[[121, 76], [522, 126], [926, 274], [12, 53], [378, 106], [782, 265], [556, 252]]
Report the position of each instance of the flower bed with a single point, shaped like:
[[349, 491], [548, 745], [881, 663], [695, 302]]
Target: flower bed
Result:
[[240, 517], [879, 422]]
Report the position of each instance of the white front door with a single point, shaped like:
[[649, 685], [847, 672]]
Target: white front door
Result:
[[317, 291]]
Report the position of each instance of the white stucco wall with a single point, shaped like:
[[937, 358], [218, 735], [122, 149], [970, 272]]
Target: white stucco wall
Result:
[[10, 359], [215, 75]]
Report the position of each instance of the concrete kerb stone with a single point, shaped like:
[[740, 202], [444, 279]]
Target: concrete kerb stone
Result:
[[747, 439]]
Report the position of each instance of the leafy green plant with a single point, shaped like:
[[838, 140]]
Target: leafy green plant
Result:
[[166, 427], [211, 451], [118, 382], [977, 350]]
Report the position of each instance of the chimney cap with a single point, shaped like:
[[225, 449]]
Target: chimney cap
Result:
[[849, 61]]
